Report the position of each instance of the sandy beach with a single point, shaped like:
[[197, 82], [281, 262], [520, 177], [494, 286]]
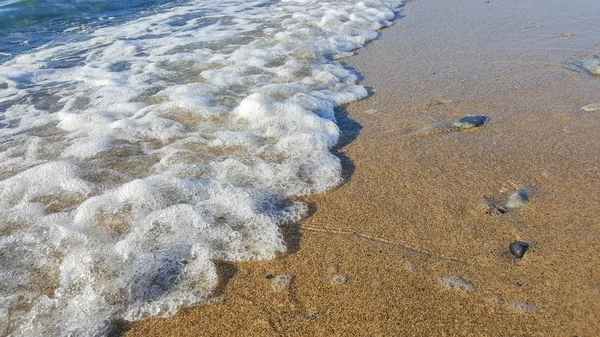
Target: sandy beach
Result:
[[415, 242]]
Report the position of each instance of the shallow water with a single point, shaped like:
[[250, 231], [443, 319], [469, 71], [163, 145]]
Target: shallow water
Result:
[[140, 141], [26, 24]]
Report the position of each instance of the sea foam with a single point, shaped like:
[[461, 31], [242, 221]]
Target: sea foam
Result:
[[133, 157]]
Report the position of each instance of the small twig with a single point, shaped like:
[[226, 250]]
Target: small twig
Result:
[[401, 245]]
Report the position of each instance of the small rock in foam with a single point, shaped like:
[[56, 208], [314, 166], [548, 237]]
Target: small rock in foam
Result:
[[457, 282]]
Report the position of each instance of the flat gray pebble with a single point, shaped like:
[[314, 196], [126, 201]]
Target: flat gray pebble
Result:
[[517, 200], [592, 65]]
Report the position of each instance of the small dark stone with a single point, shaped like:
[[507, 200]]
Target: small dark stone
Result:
[[468, 122], [518, 249], [495, 210], [269, 276]]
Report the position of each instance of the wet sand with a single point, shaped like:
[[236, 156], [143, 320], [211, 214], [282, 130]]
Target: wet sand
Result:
[[416, 206]]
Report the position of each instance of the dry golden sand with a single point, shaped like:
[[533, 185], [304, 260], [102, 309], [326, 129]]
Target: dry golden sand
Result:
[[414, 208]]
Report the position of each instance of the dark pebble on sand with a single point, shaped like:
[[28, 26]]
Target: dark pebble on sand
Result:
[[518, 249], [468, 122], [495, 210]]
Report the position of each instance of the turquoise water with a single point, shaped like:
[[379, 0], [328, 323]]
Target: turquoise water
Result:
[[25, 24]]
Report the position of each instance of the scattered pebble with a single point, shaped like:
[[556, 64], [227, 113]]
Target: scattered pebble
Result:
[[592, 65], [281, 282], [410, 266], [338, 279], [468, 122], [518, 249], [523, 306], [371, 111], [457, 282], [332, 269], [518, 306], [591, 107], [494, 209], [517, 200], [496, 300]]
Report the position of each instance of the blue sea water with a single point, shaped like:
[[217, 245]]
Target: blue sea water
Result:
[[142, 140], [25, 24]]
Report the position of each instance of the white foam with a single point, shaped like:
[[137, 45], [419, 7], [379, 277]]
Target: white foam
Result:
[[46, 180], [138, 155]]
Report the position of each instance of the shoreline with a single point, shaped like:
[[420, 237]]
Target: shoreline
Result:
[[376, 255]]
